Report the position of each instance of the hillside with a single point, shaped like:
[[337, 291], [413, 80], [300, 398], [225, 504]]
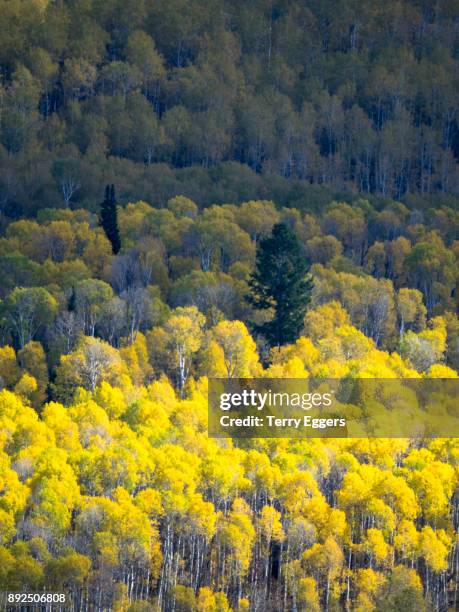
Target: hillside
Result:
[[114, 494], [201, 97]]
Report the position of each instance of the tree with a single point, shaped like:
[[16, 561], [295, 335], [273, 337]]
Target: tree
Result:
[[28, 310], [403, 591], [281, 285], [231, 351], [214, 236], [32, 359], [411, 311], [9, 369], [176, 343], [141, 53], [185, 600], [92, 297], [16, 270], [432, 269], [92, 362], [109, 218], [67, 172], [69, 570], [308, 596], [322, 249], [236, 533], [325, 560], [214, 293], [426, 348]]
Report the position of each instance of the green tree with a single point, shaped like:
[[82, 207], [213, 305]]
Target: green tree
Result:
[[403, 591], [281, 285], [27, 311], [109, 218]]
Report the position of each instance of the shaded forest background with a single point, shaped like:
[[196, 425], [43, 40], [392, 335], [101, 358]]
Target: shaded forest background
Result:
[[226, 101]]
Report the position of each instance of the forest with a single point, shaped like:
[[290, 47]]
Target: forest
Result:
[[225, 101], [222, 131], [112, 491]]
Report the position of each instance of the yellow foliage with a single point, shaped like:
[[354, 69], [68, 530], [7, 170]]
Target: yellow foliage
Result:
[[368, 581], [321, 322], [232, 352], [270, 524], [128, 463], [441, 371], [376, 546], [26, 387], [111, 399], [9, 369], [308, 595], [434, 548]]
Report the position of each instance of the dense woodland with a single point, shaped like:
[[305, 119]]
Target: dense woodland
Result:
[[111, 489], [393, 269], [203, 97], [217, 121]]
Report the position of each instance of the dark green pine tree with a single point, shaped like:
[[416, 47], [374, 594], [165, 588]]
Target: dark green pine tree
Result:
[[281, 282], [109, 218], [71, 304]]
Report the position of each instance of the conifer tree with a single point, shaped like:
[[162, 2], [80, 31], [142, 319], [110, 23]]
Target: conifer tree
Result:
[[281, 282], [71, 304], [109, 218]]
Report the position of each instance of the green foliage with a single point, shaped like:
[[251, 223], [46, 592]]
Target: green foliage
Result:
[[402, 592], [212, 101], [281, 284], [27, 310], [109, 218]]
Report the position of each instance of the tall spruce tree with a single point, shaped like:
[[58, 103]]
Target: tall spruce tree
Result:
[[71, 304], [109, 218], [281, 282]]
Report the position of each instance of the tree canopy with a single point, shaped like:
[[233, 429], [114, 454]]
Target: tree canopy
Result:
[[221, 101], [281, 284], [112, 491], [306, 152]]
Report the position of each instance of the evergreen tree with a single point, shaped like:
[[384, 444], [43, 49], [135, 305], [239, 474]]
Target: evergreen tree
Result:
[[109, 218], [71, 304], [281, 282]]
